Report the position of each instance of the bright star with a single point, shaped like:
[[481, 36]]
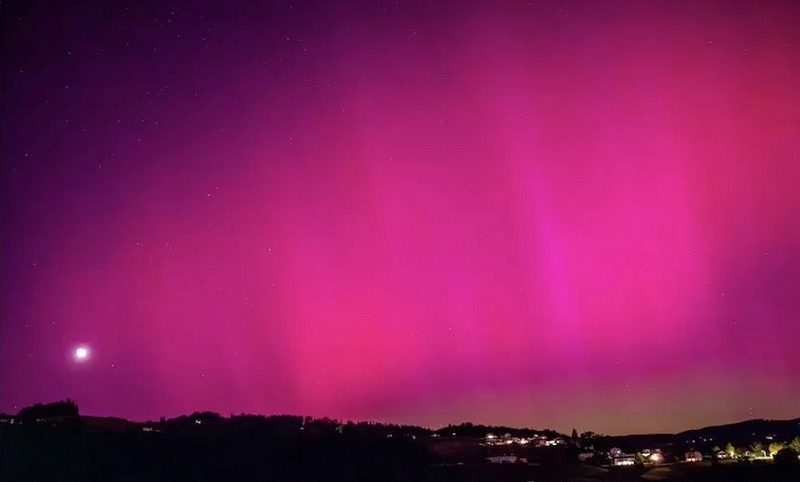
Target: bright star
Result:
[[81, 353]]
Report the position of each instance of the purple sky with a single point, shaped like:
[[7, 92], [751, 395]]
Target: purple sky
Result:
[[531, 213]]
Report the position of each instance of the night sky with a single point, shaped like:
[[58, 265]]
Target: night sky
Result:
[[541, 213]]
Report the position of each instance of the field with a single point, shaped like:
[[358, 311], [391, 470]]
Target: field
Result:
[[696, 472]]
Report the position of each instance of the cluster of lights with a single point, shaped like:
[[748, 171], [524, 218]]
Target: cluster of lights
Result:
[[507, 439]]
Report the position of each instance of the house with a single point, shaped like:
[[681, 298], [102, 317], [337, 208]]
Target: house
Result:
[[655, 457], [503, 459], [537, 440], [623, 460], [693, 456], [554, 442]]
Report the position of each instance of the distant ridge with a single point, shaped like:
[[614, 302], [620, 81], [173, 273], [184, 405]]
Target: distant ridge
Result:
[[737, 433], [747, 428]]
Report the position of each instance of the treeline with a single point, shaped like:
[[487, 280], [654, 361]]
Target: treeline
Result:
[[786, 452], [289, 424], [61, 408], [283, 423], [468, 429], [208, 447]]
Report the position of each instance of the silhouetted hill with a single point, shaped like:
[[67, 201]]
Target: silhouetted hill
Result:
[[745, 432], [468, 429], [739, 434]]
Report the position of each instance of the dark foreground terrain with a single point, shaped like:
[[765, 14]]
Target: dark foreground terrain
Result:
[[207, 447], [700, 472]]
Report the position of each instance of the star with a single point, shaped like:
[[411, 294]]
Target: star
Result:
[[81, 353]]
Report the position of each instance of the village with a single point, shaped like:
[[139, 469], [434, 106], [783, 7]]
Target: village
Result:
[[499, 451]]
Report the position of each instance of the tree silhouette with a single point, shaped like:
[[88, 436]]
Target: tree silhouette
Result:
[[786, 456], [776, 447], [61, 408], [795, 444]]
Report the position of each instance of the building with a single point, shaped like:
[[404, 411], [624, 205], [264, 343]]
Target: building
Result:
[[502, 459], [655, 457], [693, 456], [554, 442], [623, 460]]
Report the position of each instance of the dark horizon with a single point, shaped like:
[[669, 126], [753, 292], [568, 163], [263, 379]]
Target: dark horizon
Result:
[[430, 428]]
